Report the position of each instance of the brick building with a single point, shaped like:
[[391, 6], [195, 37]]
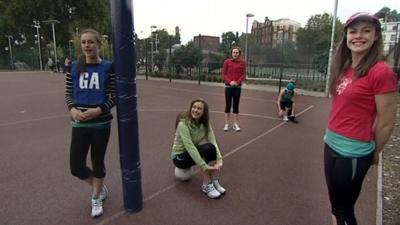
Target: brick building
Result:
[[270, 32], [208, 44]]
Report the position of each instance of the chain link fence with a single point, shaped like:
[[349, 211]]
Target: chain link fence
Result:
[[306, 76]]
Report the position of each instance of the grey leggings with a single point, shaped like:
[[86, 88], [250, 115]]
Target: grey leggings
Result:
[[344, 177]]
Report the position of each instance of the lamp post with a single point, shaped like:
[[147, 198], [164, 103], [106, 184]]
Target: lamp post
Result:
[[33, 56], [10, 49], [152, 53], [36, 25], [146, 58], [282, 58], [328, 69], [52, 22], [70, 42], [245, 40], [105, 37]]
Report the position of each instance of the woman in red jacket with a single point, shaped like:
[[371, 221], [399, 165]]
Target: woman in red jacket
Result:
[[234, 73]]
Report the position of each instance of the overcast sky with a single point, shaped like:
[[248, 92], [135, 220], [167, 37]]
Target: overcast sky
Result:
[[213, 17]]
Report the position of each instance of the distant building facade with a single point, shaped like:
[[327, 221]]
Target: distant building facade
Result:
[[271, 32], [208, 44], [390, 35]]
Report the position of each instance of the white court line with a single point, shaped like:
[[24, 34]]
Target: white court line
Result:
[[32, 94], [169, 187], [213, 94], [33, 120], [379, 207], [211, 111], [252, 115], [149, 110], [140, 110]]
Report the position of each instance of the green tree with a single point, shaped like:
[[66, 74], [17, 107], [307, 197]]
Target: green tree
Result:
[[228, 39], [387, 15], [164, 42], [187, 56], [17, 17], [313, 41]]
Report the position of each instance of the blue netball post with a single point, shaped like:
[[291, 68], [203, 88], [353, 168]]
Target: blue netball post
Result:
[[124, 62]]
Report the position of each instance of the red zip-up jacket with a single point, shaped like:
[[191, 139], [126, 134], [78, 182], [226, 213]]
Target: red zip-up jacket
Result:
[[234, 70]]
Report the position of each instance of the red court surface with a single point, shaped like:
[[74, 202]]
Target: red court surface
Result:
[[273, 171]]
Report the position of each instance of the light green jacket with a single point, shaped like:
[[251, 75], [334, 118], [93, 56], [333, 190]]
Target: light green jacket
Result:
[[188, 135]]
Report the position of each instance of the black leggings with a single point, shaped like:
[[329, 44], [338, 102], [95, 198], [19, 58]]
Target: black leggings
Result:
[[344, 177], [83, 138], [185, 161], [232, 94]]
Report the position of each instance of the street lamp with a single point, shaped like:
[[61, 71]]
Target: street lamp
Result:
[[52, 22], [245, 41], [33, 56], [36, 25], [152, 53], [70, 42], [282, 57], [105, 37], [328, 69], [9, 47]]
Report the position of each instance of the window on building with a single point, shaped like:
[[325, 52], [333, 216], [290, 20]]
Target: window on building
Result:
[[394, 27], [391, 47], [393, 37]]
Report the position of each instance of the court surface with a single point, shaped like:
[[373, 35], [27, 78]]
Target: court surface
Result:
[[273, 171]]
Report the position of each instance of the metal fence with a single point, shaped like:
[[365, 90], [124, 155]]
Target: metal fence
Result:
[[305, 76]]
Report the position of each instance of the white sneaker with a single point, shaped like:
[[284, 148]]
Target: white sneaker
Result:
[[285, 118], [97, 207], [226, 127], [104, 193], [218, 186], [210, 190], [236, 127]]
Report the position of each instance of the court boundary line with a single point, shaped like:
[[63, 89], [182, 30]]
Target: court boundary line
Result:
[[140, 110], [175, 183], [379, 200], [220, 95], [169, 88]]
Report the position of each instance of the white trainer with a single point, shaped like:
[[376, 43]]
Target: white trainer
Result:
[[218, 186], [210, 190], [97, 207], [236, 127], [285, 118], [226, 127], [104, 193]]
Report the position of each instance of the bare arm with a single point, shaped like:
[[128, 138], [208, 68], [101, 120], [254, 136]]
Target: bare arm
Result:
[[385, 119], [279, 97], [294, 102]]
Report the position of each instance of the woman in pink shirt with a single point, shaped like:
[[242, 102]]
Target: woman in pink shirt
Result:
[[361, 120], [234, 73]]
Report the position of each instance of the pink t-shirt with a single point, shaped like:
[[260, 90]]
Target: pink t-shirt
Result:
[[353, 105]]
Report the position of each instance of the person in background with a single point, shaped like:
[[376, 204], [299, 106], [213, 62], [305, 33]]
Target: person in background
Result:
[[286, 102], [233, 74], [361, 120], [50, 64], [195, 144], [90, 95], [67, 64]]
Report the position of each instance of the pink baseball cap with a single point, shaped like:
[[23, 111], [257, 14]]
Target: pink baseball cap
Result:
[[361, 16]]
